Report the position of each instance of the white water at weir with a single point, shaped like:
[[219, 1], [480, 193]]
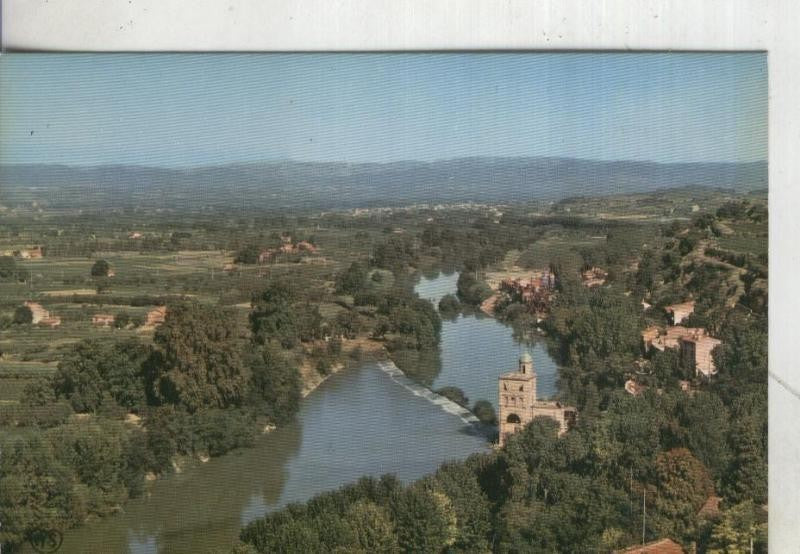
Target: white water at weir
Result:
[[397, 375]]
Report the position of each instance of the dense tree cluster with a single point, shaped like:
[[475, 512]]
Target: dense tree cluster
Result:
[[411, 328], [742, 209], [198, 359], [280, 314], [396, 253], [449, 305], [352, 280], [248, 255], [447, 510], [100, 268], [471, 290], [96, 373], [597, 333], [200, 388], [475, 241], [8, 268], [23, 316]]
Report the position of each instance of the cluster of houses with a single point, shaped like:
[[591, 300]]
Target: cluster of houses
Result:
[[41, 316], [32, 253], [594, 277], [535, 292], [268, 255], [287, 247], [695, 345], [527, 288], [154, 317]]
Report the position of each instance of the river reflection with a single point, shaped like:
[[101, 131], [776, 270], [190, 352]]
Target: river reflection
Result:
[[476, 349], [359, 422]]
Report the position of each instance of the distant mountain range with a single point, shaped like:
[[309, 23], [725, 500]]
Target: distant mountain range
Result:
[[290, 184]]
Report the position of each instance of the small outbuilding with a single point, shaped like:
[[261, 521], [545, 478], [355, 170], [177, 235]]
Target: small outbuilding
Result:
[[102, 320], [37, 311]]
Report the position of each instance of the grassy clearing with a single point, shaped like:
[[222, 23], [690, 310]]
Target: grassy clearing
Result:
[[563, 247], [27, 369], [330, 310], [15, 375], [748, 237], [11, 390], [68, 292]]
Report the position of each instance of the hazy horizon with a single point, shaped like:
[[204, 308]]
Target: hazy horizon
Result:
[[365, 163]]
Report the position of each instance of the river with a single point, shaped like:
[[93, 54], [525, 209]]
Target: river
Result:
[[476, 349], [362, 421]]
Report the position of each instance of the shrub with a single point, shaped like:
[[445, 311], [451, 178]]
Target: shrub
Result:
[[323, 366], [23, 316], [484, 411], [100, 268], [8, 267], [449, 305], [122, 320], [455, 394]]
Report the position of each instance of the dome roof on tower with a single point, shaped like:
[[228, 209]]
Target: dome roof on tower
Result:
[[526, 357]]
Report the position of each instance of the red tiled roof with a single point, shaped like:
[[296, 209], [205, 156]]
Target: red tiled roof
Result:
[[710, 508], [683, 306], [662, 546]]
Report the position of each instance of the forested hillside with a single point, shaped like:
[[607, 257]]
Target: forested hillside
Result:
[[291, 184]]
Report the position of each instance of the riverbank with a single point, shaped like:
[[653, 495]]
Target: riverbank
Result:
[[354, 351], [358, 422]]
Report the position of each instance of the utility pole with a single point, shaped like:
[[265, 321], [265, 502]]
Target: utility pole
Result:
[[630, 492], [644, 512]]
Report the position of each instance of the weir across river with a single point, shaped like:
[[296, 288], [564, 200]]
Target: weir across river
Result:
[[390, 369]]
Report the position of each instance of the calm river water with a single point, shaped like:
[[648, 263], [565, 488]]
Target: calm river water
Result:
[[358, 422], [476, 349]]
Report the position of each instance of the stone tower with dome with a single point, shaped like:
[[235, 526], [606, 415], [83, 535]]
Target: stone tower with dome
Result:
[[519, 405]]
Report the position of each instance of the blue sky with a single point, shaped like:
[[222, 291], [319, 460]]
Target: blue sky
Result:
[[200, 109]]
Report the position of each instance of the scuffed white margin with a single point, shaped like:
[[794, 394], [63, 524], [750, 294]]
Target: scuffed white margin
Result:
[[291, 25]]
